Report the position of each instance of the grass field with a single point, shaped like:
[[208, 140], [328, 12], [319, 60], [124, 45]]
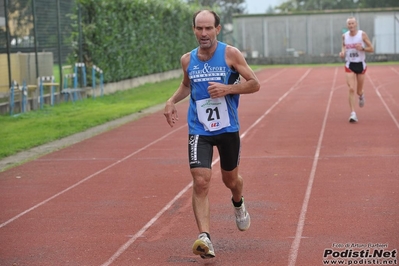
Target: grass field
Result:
[[27, 130]]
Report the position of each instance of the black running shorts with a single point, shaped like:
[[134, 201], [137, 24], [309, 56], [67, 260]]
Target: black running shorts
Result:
[[200, 150], [356, 67]]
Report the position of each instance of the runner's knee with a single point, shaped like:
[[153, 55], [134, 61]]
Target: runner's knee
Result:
[[231, 179], [201, 178]]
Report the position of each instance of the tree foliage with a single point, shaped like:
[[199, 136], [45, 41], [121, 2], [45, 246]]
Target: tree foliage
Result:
[[131, 38], [311, 5], [225, 8], [21, 19], [19, 12]]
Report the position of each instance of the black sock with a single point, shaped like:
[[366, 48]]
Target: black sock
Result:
[[237, 204], [207, 234]]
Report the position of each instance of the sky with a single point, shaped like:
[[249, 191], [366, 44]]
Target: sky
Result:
[[260, 6]]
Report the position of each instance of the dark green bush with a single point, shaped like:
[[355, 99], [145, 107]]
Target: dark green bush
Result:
[[131, 38]]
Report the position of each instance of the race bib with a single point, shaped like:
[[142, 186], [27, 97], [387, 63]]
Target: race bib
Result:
[[213, 113], [353, 55]]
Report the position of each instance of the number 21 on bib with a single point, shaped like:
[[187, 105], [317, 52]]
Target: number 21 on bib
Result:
[[213, 113]]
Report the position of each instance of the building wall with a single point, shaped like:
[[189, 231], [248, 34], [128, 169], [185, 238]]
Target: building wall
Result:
[[315, 34]]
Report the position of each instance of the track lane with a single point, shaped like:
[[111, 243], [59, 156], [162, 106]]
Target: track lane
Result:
[[170, 246], [88, 224], [354, 194]]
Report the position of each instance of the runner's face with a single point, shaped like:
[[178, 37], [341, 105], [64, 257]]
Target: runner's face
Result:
[[351, 24], [205, 30]]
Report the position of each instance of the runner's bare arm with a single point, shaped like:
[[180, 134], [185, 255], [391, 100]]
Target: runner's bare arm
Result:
[[369, 46], [181, 93], [342, 53], [236, 61]]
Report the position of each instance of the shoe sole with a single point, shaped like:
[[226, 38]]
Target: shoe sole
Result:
[[352, 120], [202, 249], [207, 256]]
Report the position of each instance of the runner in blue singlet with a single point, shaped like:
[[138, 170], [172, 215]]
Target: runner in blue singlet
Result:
[[211, 77]]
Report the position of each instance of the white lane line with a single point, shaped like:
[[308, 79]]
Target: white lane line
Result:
[[277, 102], [271, 77], [125, 246], [377, 90], [302, 217], [88, 177], [148, 225]]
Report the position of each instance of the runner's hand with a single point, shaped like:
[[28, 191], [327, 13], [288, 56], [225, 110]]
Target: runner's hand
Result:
[[170, 112], [359, 47], [217, 90]]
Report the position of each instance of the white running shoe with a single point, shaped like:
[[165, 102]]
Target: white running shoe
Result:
[[203, 247], [353, 118], [243, 220], [361, 100]]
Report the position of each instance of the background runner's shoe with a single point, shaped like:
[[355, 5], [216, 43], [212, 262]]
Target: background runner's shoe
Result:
[[243, 220], [203, 247], [361, 101], [353, 118]]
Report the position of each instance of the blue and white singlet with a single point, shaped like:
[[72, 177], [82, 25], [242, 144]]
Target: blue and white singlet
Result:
[[208, 116]]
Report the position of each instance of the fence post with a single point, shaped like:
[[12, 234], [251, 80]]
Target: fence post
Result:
[[102, 82], [24, 97], [47, 81], [13, 83], [93, 80], [39, 81], [94, 77]]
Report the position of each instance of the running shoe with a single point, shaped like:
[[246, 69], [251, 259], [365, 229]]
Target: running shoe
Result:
[[353, 118], [203, 247], [361, 100], [243, 220]]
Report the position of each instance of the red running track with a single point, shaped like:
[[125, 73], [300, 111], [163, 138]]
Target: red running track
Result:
[[318, 188]]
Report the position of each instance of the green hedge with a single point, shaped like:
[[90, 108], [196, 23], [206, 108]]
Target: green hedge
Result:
[[131, 38]]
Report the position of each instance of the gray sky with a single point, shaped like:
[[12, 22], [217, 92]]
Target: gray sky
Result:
[[260, 6]]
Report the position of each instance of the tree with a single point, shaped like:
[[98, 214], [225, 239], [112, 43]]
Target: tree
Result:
[[378, 4], [270, 10], [311, 5], [20, 18], [225, 8]]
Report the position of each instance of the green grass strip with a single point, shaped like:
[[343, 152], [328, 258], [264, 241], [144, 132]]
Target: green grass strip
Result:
[[31, 129]]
